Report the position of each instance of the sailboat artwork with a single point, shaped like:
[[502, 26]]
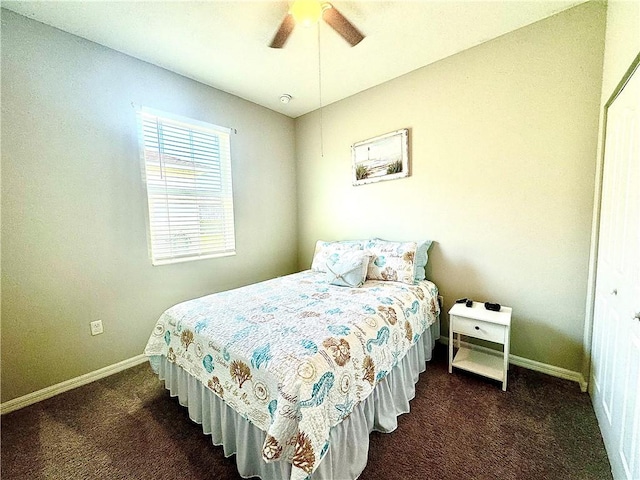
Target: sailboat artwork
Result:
[[385, 157]]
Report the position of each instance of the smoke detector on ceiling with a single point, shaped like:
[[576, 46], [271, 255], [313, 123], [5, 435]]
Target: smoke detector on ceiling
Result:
[[285, 98]]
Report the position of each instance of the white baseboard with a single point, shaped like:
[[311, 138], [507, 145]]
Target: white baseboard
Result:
[[49, 392], [532, 365]]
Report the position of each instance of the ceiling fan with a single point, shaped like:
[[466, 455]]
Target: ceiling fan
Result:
[[308, 12]]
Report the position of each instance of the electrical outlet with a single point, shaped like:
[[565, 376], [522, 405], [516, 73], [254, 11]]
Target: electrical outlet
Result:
[[96, 327], [441, 301]]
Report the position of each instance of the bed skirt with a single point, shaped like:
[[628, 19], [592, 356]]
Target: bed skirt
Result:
[[349, 440]]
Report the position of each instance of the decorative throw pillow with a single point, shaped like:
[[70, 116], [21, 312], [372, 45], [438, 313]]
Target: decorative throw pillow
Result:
[[422, 257], [349, 269], [326, 251], [392, 261]]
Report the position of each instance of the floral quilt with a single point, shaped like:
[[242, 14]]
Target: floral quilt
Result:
[[294, 355]]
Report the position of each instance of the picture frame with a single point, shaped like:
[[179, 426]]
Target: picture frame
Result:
[[385, 157]]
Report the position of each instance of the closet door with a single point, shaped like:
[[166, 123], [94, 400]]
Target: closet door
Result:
[[615, 368]]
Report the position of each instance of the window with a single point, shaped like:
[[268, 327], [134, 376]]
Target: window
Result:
[[187, 171]]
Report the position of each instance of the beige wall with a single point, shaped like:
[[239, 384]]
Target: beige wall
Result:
[[503, 146], [74, 246]]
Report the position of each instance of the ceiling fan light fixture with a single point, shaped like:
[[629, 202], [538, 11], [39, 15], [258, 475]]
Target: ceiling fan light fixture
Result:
[[306, 12], [309, 12]]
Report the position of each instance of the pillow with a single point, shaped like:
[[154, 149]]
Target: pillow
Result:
[[331, 250], [354, 244], [349, 269], [392, 261], [421, 259]]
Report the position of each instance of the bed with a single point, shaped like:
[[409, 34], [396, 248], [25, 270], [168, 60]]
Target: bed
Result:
[[292, 374]]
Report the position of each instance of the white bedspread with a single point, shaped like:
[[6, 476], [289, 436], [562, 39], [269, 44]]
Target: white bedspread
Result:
[[294, 355]]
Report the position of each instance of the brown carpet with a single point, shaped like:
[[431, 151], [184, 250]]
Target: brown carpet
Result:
[[460, 427]]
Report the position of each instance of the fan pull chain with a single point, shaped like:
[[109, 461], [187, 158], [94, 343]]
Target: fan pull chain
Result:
[[320, 94]]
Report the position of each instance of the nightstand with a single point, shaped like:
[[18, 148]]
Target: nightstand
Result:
[[478, 322]]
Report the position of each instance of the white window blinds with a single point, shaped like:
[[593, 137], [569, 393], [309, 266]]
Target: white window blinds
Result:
[[187, 170]]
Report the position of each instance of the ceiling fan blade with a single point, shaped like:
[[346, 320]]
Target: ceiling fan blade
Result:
[[341, 25], [286, 27]]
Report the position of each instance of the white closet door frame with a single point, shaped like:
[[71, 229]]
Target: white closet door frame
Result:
[[622, 373], [595, 228]]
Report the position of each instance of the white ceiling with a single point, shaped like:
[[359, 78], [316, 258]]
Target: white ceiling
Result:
[[225, 44]]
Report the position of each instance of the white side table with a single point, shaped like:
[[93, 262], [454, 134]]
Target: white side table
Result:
[[478, 322]]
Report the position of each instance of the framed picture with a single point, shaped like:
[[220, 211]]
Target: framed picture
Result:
[[385, 157]]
